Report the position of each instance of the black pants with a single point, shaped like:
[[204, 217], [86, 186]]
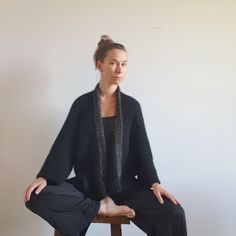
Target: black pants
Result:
[[71, 212]]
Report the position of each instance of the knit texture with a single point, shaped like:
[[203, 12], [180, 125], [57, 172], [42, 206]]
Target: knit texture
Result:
[[76, 146]]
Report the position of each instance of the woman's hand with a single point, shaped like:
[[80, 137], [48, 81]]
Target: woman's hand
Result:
[[39, 183], [158, 190]]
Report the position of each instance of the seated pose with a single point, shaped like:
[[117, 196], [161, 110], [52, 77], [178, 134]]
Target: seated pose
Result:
[[104, 139]]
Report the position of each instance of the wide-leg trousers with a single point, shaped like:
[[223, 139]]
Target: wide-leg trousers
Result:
[[69, 211]]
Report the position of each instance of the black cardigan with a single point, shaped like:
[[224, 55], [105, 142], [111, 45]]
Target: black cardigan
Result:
[[76, 146]]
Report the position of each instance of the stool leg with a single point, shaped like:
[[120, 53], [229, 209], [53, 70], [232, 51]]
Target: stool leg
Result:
[[116, 230]]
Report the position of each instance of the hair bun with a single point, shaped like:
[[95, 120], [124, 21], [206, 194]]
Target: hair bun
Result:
[[104, 45], [105, 40]]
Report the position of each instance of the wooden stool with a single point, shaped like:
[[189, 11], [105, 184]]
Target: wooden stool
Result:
[[115, 223]]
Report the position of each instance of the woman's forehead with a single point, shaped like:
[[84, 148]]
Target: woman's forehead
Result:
[[117, 54]]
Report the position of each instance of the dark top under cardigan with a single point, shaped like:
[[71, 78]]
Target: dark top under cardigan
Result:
[[109, 129], [76, 147]]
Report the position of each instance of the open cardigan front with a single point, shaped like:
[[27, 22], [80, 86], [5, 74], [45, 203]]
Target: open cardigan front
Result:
[[80, 145]]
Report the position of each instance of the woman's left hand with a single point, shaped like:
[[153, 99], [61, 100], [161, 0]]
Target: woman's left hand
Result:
[[159, 191]]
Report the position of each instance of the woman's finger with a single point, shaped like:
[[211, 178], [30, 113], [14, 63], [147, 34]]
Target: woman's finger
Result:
[[28, 193], [39, 189], [30, 190], [177, 200], [24, 196], [171, 197], [159, 197]]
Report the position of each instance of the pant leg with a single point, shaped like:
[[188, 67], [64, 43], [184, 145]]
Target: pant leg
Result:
[[153, 218], [64, 208]]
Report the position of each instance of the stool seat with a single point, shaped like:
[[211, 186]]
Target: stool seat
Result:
[[114, 221]]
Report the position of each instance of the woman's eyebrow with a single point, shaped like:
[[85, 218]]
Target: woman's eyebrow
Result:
[[117, 60]]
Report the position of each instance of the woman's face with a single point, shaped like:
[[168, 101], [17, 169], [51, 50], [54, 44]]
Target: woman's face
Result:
[[114, 66]]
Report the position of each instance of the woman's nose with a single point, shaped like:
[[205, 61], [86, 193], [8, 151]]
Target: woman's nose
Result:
[[118, 68]]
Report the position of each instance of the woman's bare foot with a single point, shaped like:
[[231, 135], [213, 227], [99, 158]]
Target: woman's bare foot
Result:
[[109, 208]]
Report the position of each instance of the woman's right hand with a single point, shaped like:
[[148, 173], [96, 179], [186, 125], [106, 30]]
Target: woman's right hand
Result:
[[37, 184]]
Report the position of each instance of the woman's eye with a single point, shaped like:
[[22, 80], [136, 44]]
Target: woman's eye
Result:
[[116, 64]]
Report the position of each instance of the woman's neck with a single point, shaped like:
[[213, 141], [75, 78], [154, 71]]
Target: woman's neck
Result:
[[107, 90]]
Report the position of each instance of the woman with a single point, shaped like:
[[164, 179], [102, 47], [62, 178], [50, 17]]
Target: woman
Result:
[[105, 141]]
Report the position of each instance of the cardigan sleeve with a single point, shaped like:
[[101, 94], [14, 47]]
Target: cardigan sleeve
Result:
[[60, 160], [146, 172]]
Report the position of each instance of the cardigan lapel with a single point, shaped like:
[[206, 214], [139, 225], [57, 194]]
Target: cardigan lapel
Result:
[[113, 170]]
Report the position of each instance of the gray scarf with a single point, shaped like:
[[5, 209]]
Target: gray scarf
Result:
[[109, 176]]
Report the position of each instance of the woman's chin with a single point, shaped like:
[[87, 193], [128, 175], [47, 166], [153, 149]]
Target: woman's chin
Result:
[[117, 81]]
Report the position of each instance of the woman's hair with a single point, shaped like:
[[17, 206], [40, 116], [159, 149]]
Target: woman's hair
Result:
[[104, 45]]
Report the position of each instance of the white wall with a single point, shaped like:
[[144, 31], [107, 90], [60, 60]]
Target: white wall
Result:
[[181, 69]]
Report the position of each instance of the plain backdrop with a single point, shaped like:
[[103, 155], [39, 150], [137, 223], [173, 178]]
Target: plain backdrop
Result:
[[181, 69]]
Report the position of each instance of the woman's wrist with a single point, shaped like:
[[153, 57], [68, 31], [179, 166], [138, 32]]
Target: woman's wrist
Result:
[[155, 184]]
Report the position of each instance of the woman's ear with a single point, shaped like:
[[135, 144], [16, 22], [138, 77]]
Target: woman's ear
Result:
[[99, 66]]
